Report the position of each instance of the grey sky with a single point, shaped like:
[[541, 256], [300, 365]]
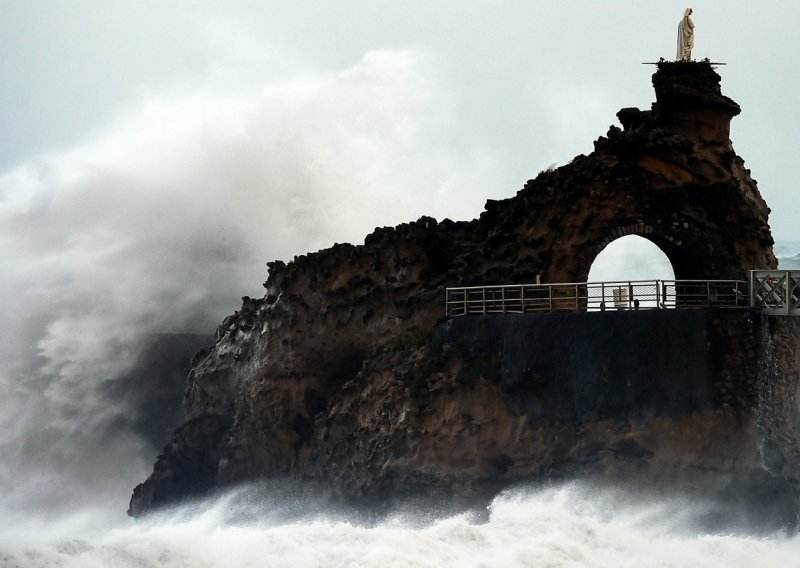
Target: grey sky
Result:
[[533, 82], [154, 155]]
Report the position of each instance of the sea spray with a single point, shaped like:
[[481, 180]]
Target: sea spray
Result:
[[566, 526]]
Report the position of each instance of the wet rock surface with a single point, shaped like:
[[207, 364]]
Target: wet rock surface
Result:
[[341, 375]]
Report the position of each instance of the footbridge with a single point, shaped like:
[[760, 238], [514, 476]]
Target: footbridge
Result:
[[776, 292]]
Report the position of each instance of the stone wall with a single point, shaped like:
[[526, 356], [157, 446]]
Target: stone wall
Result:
[[579, 367], [779, 396]]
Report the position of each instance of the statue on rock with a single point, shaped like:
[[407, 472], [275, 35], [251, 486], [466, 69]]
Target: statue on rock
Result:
[[685, 36]]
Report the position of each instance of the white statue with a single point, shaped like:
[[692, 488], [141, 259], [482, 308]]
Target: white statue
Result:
[[685, 36]]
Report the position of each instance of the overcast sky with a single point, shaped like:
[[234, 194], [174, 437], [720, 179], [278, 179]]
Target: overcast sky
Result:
[[495, 89], [154, 155]]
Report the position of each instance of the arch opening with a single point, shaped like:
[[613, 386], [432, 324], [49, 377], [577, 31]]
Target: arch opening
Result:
[[620, 273]]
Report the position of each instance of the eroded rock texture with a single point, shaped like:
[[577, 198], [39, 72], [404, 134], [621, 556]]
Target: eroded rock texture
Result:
[[340, 373]]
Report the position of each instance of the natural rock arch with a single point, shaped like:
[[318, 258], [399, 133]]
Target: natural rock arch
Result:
[[689, 252], [631, 257], [670, 175]]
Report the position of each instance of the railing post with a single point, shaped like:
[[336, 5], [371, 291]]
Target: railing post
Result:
[[550, 296], [658, 297], [787, 300], [602, 295]]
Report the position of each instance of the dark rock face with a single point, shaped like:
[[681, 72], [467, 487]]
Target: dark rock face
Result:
[[188, 466], [341, 375]]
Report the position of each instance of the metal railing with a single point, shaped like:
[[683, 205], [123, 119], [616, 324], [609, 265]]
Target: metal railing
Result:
[[597, 296], [777, 292]]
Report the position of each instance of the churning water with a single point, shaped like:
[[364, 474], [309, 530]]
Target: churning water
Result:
[[564, 526]]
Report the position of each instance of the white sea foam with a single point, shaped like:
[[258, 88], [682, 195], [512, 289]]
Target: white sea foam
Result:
[[568, 526]]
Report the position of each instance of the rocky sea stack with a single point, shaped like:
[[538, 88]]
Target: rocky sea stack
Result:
[[346, 373]]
